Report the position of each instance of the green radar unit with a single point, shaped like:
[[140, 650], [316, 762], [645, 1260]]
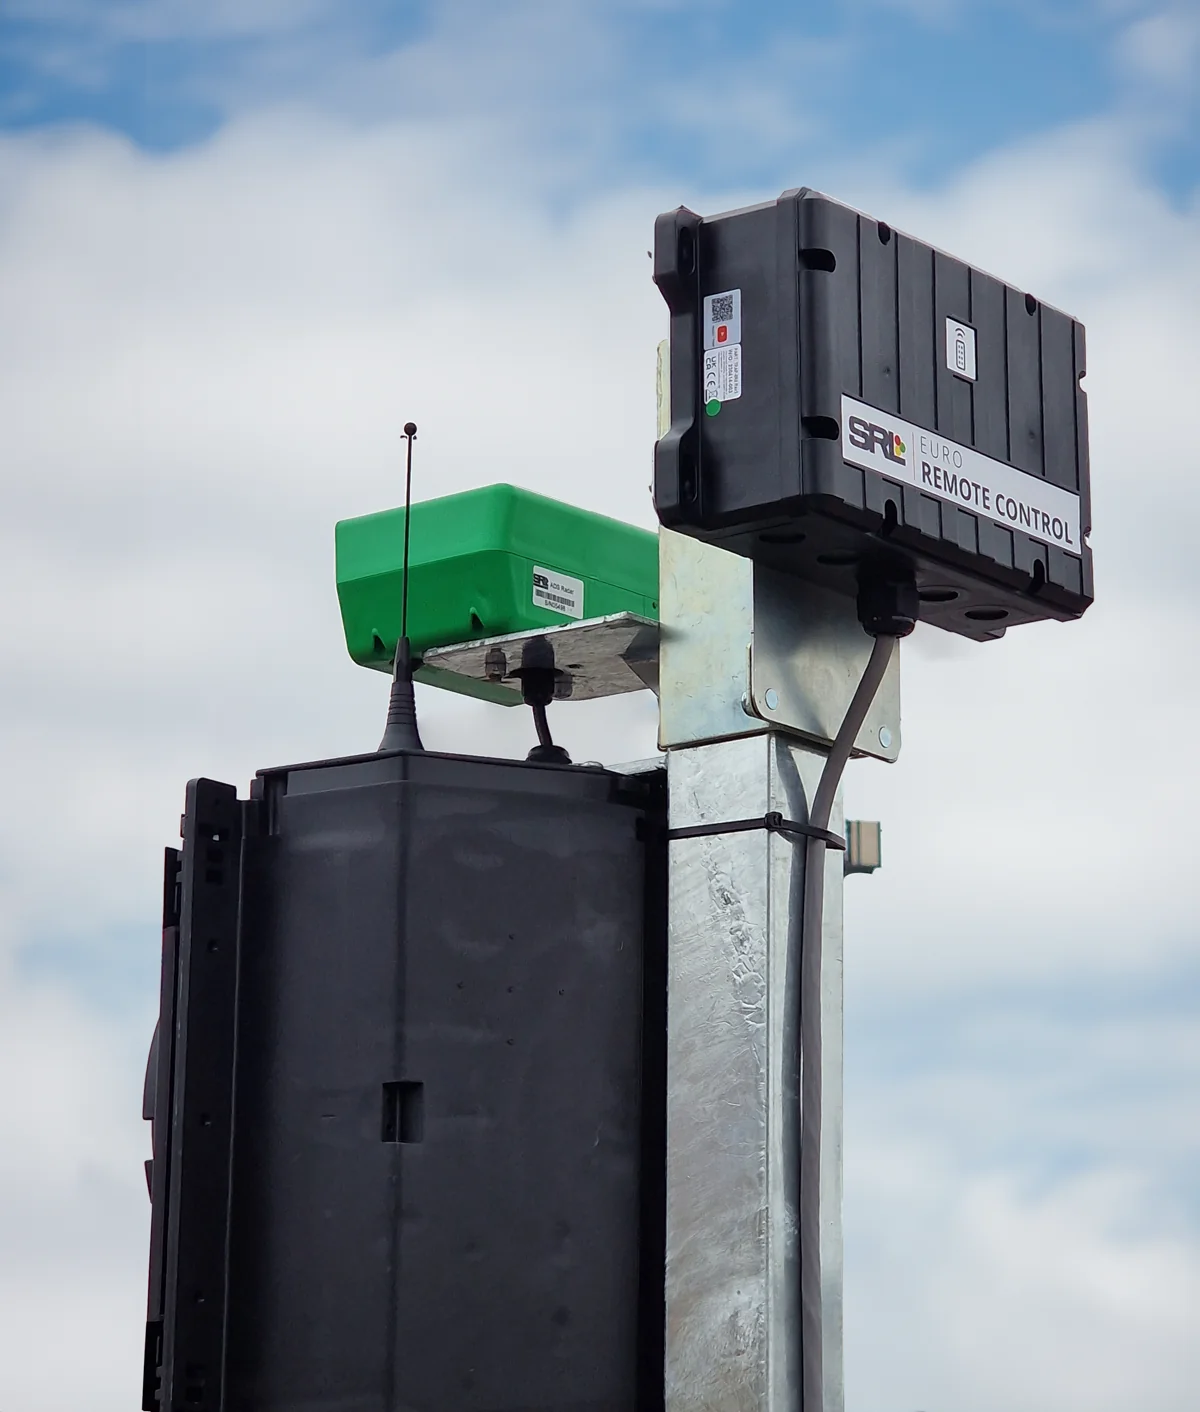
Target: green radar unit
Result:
[[486, 564]]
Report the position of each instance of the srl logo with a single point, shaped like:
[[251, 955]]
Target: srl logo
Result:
[[868, 436]]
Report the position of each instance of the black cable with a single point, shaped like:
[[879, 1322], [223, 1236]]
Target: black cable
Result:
[[852, 723], [538, 676], [542, 725], [812, 924], [827, 786]]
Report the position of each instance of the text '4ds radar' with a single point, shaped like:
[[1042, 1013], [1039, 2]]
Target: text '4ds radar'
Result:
[[847, 400]]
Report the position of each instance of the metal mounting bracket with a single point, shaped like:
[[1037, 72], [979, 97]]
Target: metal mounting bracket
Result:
[[746, 649], [596, 657]]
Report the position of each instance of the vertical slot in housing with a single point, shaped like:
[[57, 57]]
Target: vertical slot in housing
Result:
[[403, 1111]]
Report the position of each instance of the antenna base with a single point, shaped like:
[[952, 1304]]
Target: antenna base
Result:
[[401, 732], [548, 755]]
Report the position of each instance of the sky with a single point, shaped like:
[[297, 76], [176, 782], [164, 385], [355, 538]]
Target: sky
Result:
[[243, 241]]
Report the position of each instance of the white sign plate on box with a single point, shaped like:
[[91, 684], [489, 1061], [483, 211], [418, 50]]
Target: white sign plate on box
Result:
[[880, 441]]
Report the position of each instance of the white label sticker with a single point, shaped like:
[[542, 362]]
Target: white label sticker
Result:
[[723, 374], [960, 349], [878, 441], [558, 592], [723, 319]]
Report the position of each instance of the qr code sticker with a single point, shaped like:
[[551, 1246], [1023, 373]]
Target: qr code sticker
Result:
[[723, 318]]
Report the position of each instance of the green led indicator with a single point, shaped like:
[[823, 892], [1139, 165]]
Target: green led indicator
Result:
[[712, 407]]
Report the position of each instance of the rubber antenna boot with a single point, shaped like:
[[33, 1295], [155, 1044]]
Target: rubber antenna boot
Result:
[[402, 732]]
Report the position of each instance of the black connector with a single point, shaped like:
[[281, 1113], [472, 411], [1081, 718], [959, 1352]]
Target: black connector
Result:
[[888, 603], [538, 676]]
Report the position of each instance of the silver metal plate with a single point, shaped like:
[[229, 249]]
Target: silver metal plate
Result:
[[808, 653], [598, 657], [745, 648], [706, 602]]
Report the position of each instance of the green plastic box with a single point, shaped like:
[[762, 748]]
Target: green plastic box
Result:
[[484, 563]]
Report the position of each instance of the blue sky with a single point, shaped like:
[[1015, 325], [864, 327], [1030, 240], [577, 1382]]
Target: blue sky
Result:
[[933, 81], [242, 241]]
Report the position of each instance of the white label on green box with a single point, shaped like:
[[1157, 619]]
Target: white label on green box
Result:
[[560, 593]]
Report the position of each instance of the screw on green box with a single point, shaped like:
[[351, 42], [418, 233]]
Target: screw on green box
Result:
[[484, 563]]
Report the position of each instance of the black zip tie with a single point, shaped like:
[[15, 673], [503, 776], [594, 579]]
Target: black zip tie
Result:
[[772, 822]]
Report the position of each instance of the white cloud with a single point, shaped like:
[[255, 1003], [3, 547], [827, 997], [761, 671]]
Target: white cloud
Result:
[[195, 391], [75, 1219], [205, 360], [1163, 48], [968, 1292]]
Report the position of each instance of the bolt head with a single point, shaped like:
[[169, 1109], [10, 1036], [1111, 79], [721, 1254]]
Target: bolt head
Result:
[[885, 737], [771, 698]]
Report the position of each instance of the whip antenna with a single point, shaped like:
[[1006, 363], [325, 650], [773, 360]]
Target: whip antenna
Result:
[[410, 435], [401, 732]]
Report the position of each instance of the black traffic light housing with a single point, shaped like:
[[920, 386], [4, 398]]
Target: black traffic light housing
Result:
[[408, 1091]]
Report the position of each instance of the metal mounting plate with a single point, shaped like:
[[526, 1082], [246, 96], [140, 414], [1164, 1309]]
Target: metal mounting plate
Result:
[[747, 649], [597, 657], [807, 656]]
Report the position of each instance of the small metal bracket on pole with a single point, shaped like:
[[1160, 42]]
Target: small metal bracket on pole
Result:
[[864, 846], [755, 675]]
